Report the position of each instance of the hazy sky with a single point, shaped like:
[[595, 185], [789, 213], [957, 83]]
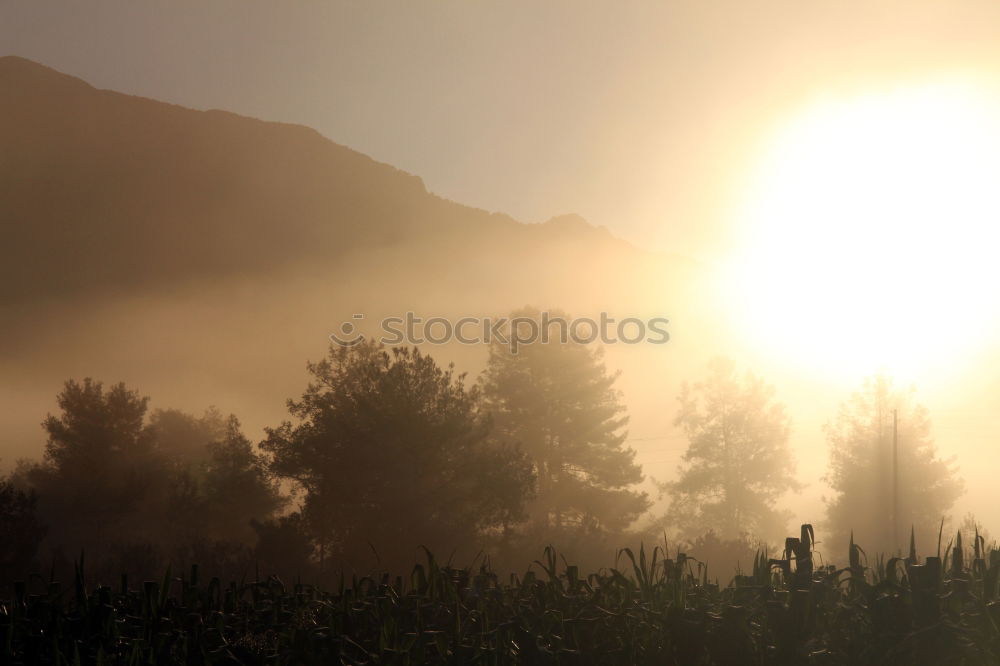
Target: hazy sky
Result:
[[649, 118], [641, 116]]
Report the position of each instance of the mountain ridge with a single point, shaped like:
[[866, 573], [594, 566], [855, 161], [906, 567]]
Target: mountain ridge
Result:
[[110, 188]]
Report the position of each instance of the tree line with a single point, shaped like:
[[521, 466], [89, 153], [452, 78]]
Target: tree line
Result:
[[387, 451]]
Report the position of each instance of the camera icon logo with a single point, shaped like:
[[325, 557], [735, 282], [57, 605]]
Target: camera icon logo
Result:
[[349, 332]]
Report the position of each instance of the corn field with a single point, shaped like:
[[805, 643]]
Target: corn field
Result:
[[650, 608]]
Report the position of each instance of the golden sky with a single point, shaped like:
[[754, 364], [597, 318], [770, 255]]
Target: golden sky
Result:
[[642, 116]]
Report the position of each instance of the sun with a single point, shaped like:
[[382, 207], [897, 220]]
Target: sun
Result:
[[871, 229]]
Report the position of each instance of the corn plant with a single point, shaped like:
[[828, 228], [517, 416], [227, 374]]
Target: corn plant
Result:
[[648, 608]]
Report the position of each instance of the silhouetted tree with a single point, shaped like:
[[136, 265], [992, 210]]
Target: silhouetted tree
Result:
[[21, 532], [221, 487], [737, 461], [96, 426], [238, 488], [556, 400], [112, 483], [102, 475], [393, 453], [861, 475]]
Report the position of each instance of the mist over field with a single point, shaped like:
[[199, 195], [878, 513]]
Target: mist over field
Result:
[[778, 223]]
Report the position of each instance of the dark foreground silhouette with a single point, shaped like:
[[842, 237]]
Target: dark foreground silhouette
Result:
[[648, 608]]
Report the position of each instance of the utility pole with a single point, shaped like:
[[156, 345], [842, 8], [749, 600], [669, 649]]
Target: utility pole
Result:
[[895, 479]]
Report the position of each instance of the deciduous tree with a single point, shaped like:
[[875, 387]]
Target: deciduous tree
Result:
[[393, 452], [861, 470]]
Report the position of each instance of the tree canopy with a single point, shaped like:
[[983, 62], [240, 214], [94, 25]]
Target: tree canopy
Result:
[[737, 462], [860, 471], [111, 479], [102, 468], [393, 452]]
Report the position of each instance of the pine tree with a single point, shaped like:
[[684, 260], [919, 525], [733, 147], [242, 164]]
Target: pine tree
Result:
[[556, 400]]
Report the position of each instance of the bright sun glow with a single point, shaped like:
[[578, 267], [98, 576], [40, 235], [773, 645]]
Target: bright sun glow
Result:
[[873, 234]]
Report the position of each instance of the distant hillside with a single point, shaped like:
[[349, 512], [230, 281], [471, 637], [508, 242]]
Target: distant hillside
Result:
[[104, 191]]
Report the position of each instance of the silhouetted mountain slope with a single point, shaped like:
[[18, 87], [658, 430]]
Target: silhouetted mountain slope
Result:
[[102, 190]]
